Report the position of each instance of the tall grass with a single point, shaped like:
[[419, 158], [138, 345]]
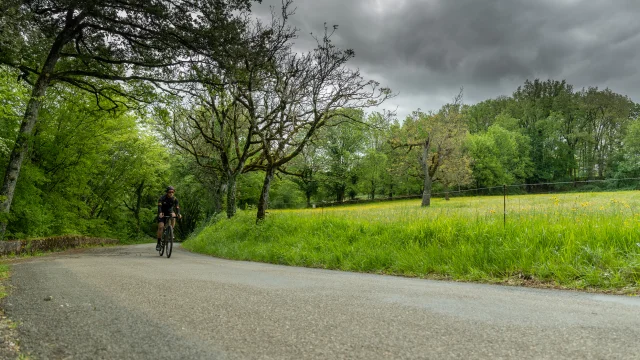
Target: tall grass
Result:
[[589, 240]]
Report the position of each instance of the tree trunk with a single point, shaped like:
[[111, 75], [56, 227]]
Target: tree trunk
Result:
[[373, 190], [263, 202], [426, 193], [217, 197], [426, 186], [20, 150], [136, 211], [601, 166], [231, 195], [308, 200], [340, 193], [21, 146]]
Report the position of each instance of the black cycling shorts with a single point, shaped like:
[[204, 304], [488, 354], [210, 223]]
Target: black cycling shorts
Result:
[[163, 219]]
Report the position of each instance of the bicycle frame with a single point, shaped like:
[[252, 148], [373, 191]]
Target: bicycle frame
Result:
[[166, 242]]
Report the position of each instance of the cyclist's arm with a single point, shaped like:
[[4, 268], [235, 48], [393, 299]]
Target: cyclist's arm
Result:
[[177, 209], [159, 208]]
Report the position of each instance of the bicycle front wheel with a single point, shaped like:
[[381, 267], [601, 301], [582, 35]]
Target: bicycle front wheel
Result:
[[169, 241], [163, 242]]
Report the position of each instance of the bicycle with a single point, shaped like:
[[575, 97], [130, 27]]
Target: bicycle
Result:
[[166, 242]]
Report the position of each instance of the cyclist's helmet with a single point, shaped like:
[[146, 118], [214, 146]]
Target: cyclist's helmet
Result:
[[169, 188]]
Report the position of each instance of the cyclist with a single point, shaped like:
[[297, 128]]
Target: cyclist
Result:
[[166, 205]]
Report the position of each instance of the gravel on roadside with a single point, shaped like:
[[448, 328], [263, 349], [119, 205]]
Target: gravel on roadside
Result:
[[9, 348]]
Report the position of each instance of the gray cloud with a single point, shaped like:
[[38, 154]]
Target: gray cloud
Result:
[[427, 49]]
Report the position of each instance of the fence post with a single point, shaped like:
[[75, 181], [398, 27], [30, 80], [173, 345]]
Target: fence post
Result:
[[504, 208]]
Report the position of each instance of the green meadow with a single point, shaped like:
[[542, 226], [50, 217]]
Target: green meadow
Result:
[[588, 241]]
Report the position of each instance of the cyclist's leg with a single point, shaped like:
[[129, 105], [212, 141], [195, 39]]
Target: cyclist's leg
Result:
[[173, 224], [160, 230]]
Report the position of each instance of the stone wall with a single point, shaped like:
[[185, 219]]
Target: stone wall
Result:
[[50, 244]]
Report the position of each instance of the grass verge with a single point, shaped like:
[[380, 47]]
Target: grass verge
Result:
[[4, 275], [585, 241]]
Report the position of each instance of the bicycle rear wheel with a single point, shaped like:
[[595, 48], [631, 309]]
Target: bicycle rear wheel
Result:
[[169, 241]]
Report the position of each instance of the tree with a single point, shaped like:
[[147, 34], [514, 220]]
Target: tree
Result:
[[440, 138], [343, 145], [544, 110], [12, 100], [198, 189], [83, 165], [291, 96], [306, 168], [148, 169], [371, 169], [606, 117], [499, 157], [630, 164], [374, 165], [403, 175], [216, 122], [484, 114], [91, 44], [216, 132]]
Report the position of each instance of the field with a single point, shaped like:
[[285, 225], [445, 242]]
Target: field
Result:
[[585, 241]]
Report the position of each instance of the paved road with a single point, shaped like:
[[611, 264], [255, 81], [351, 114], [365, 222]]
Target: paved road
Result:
[[128, 303]]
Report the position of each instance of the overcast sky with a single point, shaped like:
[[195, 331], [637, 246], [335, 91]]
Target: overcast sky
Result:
[[426, 50]]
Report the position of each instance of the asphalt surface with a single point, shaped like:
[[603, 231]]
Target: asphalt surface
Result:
[[128, 303]]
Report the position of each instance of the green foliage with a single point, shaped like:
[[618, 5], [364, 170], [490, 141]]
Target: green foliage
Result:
[[630, 164], [342, 145], [437, 140], [573, 135], [285, 194], [499, 157], [32, 216], [372, 172], [249, 187], [375, 168], [486, 113], [307, 182], [83, 170], [13, 97], [199, 193], [4, 274]]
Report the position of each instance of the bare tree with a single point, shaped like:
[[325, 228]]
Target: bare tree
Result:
[[216, 132], [290, 100], [213, 121]]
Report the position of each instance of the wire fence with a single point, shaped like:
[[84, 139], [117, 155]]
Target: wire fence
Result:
[[513, 189], [578, 187]]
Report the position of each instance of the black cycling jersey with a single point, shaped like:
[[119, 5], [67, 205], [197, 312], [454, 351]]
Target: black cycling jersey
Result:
[[166, 205]]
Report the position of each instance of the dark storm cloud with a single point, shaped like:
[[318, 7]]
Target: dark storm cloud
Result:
[[427, 49]]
